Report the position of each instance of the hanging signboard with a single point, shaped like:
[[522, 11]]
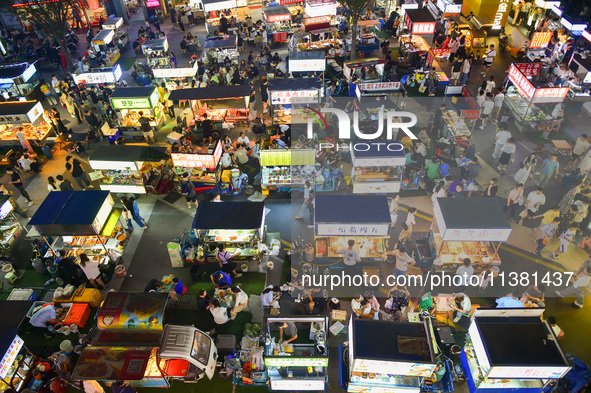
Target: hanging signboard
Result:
[[285, 97], [529, 69], [352, 229], [470, 114], [550, 95], [524, 86], [380, 86], [307, 65], [92, 78], [278, 18], [186, 72], [540, 39]]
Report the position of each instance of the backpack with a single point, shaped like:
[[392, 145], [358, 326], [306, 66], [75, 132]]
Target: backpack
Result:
[[184, 188]]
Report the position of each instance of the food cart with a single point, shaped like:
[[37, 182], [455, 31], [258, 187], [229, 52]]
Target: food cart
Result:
[[168, 71], [135, 345], [81, 221], [127, 169], [12, 226], [363, 218], [227, 44], [370, 74], [302, 365], [301, 63], [284, 169], [121, 37], [511, 349], [460, 118], [202, 164], [375, 167], [104, 42], [21, 80], [213, 11], [239, 225], [19, 122], [367, 40], [129, 101], [278, 21], [323, 9], [16, 361], [420, 22], [315, 40], [155, 48], [464, 228], [389, 356], [98, 76], [532, 103], [226, 106], [284, 93]]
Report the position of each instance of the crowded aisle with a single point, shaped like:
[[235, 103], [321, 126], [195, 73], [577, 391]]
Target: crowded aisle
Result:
[[187, 176]]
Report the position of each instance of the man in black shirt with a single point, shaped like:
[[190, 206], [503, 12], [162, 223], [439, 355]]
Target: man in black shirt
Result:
[[75, 168], [456, 69], [438, 121], [207, 125], [153, 285], [69, 267], [16, 181], [203, 300], [146, 127]]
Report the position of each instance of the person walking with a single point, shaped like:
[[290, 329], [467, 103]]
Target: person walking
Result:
[[17, 182], [549, 167], [501, 138], [403, 260], [91, 270], [132, 211], [486, 110], [580, 284], [490, 56], [547, 233], [74, 166], [146, 127], [498, 104], [527, 166], [466, 66], [514, 199], [188, 191], [307, 188], [534, 200], [507, 155], [567, 237]]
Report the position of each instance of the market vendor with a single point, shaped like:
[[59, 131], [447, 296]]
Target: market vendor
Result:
[[240, 301], [428, 301], [223, 257], [462, 305], [288, 332]]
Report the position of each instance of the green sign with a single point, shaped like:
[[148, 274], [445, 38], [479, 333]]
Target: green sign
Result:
[[131, 103], [296, 362]]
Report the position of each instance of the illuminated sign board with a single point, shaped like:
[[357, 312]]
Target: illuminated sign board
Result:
[[318, 20], [309, 65], [550, 95], [529, 69], [285, 97], [296, 362], [136, 103], [208, 161], [500, 18], [352, 229], [524, 86], [320, 8], [297, 384], [408, 369], [93, 78], [10, 356], [556, 9], [540, 39], [176, 72], [278, 18]]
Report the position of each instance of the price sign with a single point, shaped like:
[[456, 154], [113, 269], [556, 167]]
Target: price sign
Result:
[[525, 88], [308, 65], [470, 114], [208, 161], [278, 18], [540, 39], [91, 78], [550, 95], [438, 52], [529, 69]]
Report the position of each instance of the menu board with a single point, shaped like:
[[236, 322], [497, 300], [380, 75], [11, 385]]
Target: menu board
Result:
[[10, 355], [288, 157], [291, 362], [540, 39], [285, 97], [393, 368], [208, 161]]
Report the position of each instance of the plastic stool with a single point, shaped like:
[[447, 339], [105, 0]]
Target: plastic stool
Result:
[[11, 278]]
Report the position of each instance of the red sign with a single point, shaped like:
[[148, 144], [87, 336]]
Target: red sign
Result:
[[209, 161], [423, 28], [540, 39], [278, 18], [550, 95], [470, 114], [525, 88], [152, 3], [318, 20], [440, 52], [529, 69], [285, 2], [469, 99]]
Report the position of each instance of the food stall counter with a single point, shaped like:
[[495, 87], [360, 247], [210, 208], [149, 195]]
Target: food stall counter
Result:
[[374, 169], [287, 167], [129, 101], [22, 117], [283, 93], [21, 80], [202, 164]]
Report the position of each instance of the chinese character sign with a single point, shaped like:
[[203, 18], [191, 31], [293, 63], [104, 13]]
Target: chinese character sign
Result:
[[473, 234], [550, 95], [500, 18], [195, 160], [529, 69], [470, 114], [540, 39], [308, 65], [423, 28], [286, 97], [524, 86], [380, 86], [278, 18], [352, 229], [318, 20], [131, 103]]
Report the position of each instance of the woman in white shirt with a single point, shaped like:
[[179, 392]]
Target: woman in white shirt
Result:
[[240, 301], [91, 270], [507, 154], [270, 297], [52, 186]]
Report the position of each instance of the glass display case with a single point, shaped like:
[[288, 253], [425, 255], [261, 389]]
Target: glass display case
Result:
[[366, 247], [16, 366], [244, 241]]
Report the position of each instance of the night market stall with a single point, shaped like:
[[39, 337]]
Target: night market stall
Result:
[[157, 55], [21, 80], [420, 22], [12, 228], [286, 169], [225, 45], [389, 356], [225, 106], [460, 116], [464, 228], [284, 93], [213, 12], [240, 226], [377, 169], [104, 42], [135, 345], [362, 218], [128, 169], [534, 105], [315, 40], [369, 73], [368, 41], [98, 76], [301, 364], [129, 101], [81, 222], [16, 361], [202, 165], [319, 13], [278, 23], [527, 359], [20, 122], [121, 37]]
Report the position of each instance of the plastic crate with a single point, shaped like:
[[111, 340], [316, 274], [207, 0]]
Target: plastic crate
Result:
[[22, 294], [33, 307], [90, 296]]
